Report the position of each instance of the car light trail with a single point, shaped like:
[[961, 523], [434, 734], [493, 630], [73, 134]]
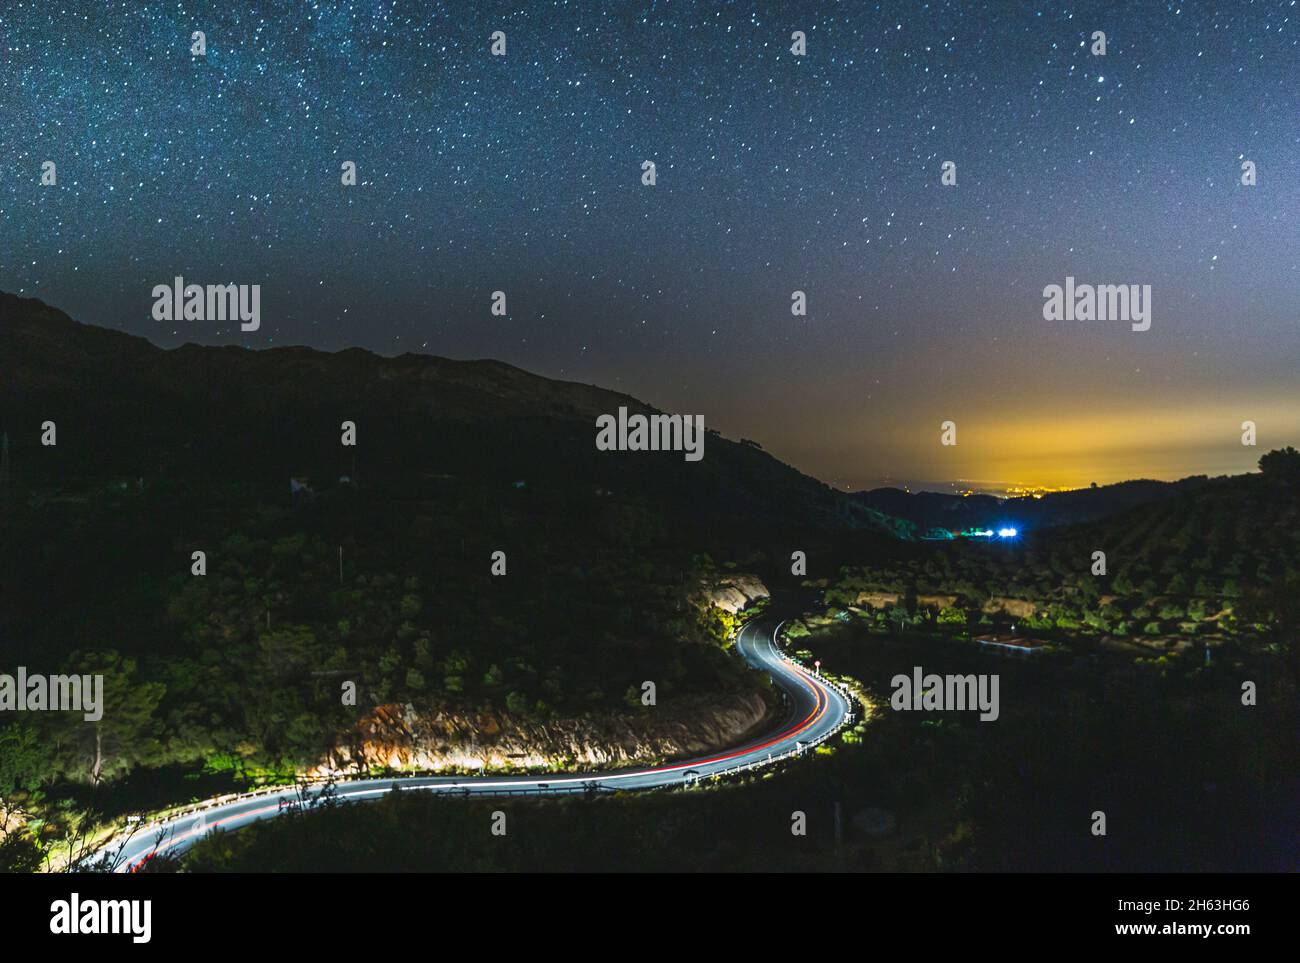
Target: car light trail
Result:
[[819, 706]]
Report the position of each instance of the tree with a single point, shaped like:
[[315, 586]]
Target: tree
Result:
[[953, 616], [1278, 607], [19, 853], [1282, 464], [23, 761], [127, 733]]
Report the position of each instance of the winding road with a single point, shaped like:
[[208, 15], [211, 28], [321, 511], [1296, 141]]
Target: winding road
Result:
[[815, 710]]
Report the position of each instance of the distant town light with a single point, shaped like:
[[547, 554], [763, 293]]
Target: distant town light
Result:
[[1006, 533]]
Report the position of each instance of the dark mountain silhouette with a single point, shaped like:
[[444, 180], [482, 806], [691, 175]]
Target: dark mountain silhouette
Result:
[[127, 408], [929, 510]]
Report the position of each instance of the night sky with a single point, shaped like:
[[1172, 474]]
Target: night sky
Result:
[[775, 173]]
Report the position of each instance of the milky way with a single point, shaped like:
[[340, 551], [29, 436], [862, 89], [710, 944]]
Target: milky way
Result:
[[774, 173]]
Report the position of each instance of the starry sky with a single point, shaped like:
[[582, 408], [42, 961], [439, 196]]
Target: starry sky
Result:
[[775, 173]]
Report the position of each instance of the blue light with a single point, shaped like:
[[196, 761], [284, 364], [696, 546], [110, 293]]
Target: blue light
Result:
[[1006, 533]]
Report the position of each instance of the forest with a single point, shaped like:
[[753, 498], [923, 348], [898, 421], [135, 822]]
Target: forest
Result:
[[233, 678]]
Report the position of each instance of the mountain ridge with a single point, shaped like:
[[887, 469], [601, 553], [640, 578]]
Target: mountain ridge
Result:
[[953, 512], [268, 414]]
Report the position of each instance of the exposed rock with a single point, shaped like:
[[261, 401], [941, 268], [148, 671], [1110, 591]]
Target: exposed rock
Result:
[[403, 737], [935, 601], [733, 592], [1020, 608], [877, 600], [12, 819]]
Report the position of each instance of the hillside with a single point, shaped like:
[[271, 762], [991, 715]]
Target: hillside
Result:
[[929, 510], [377, 572], [126, 408], [1218, 561]]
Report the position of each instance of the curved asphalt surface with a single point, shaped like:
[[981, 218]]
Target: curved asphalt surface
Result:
[[815, 709]]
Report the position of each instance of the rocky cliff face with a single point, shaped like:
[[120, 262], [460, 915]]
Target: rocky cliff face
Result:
[[733, 592], [404, 737]]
